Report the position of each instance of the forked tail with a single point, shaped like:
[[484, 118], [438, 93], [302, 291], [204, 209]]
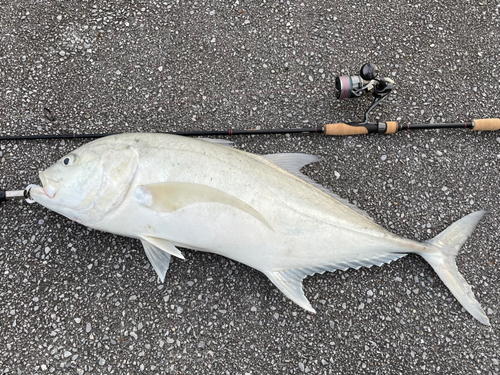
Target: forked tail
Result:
[[447, 244]]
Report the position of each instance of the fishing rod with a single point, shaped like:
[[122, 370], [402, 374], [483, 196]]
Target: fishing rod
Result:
[[367, 82], [338, 129]]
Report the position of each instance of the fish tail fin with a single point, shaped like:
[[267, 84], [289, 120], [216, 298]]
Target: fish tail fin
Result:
[[447, 245]]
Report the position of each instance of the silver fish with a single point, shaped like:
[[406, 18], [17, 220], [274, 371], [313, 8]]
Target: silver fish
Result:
[[169, 191]]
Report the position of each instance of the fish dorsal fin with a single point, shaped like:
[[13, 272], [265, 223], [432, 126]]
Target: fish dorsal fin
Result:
[[292, 163], [159, 259], [172, 196], [222, 142], [163, 245], [289, 281]]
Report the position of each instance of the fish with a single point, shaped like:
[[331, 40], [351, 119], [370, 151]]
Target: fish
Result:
[[172, 192]]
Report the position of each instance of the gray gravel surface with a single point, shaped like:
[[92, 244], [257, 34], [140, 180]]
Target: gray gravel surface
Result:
[[76, 301]]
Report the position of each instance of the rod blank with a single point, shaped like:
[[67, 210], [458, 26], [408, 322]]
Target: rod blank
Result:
[[197, 133]]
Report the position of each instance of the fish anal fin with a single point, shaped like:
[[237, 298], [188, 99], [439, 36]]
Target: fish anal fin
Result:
[[163, 245], [289, 281], [290, 284], [172, 196], [159, 259]]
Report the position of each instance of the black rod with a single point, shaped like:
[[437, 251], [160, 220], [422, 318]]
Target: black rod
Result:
[[197, 133], [250, 131], [457, 125]]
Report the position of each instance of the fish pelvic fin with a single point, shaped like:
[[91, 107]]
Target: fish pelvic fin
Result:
[[447, 245], [159, 252], [159, 259], [163, 245]]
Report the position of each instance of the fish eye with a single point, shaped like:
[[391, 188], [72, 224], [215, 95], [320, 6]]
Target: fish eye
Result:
[[68, 160]]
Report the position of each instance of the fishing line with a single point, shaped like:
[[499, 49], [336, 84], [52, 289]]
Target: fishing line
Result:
[[205, 99]]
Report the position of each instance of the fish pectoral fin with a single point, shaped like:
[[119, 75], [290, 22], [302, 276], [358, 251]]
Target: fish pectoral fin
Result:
[[173, 196], [159, 259], [290, 283], [163, 245]]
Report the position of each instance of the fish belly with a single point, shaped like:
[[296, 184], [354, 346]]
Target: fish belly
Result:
[[224, 230]]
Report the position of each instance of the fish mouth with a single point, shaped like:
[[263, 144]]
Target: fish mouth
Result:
[[49, 186]]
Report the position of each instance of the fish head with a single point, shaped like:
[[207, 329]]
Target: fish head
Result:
[[89, 183]]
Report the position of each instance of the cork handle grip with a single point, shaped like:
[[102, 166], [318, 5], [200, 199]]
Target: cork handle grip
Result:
[[391, 127], [344, 129], [487, 124]]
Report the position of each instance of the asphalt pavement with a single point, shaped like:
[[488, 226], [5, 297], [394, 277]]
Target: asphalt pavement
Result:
[[78, 301]]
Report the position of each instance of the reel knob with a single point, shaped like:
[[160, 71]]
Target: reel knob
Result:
[[369, 71]]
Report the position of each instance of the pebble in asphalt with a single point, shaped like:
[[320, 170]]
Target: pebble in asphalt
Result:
[[76, 301]]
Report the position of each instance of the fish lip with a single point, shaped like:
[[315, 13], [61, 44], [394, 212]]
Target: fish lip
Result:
[[49, 187]]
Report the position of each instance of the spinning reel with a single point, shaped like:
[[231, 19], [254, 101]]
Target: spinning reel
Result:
[[367, 82]]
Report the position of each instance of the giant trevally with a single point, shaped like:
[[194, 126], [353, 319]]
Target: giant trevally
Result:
[[169, 191]]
